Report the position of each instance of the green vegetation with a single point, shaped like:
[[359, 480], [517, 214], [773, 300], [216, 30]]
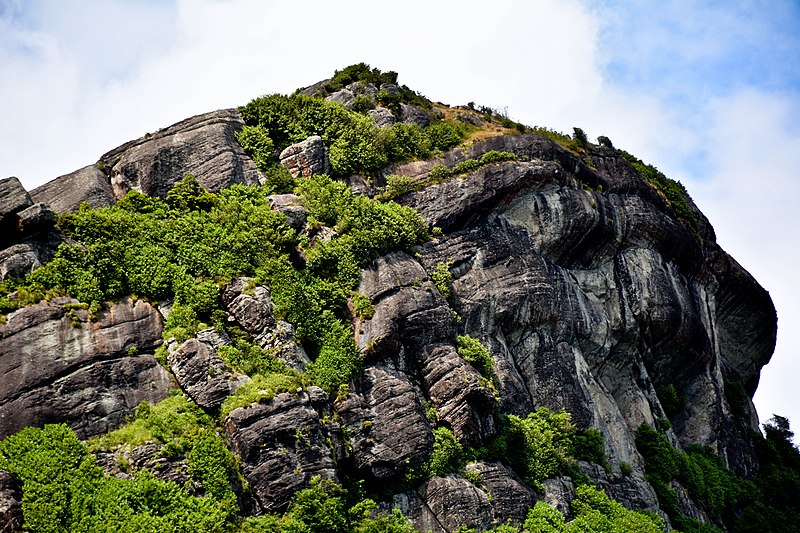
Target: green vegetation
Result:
[[476, 354], [443, 280], [672, 400], [65, 490]]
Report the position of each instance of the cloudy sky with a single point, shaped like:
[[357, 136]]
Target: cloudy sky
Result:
[[709, 92]]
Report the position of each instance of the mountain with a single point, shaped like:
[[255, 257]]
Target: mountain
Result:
[[354, 309]]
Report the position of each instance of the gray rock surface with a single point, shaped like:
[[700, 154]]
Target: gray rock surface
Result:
[[10, 503], [35, 218], [204, 146], [413, 330], [306, 158], [382, 117], [13, 197], [66, 193], [385, 406], [57, 366], [203, 375], [456, 502], [17, 260], [344, 97], [510, 497], [290, 205], [282, 445], [414, 115]]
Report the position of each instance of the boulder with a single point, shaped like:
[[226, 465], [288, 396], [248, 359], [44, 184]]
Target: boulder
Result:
[[66, 193], [510, 497], [13, 198], [306, 158], [382, 117], [35, 218], [344, 97], [58, 366], [455, 502], [18, 260], [282, 445], [204, 145], [414, 115], [290, 205]]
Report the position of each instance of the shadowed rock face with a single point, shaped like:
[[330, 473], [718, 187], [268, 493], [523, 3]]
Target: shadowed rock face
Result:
[[58, 366], [204, 145], [66, 193]]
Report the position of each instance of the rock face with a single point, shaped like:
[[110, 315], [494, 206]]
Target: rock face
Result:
[[10, 504], [204, 145], [202, 374], [66, 193], [282, 445], [58, 366]]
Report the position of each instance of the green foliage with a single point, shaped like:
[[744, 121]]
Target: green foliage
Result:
[[604, 141], [398, 185], [445, 134], [211, 463], [257, 144], [261, 389], [476, 354], [402, 142], [443, 279], [579, 137], [250, 359], [447, 455], [440, 172], [589, 445], [64, 490], [189, 195], [361, 72], [278, 180], [362, 306], [672, 400], [537, 446]]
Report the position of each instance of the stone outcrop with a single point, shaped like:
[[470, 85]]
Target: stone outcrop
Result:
[[291, 206], [306, 158], [382, 117], [204, 145], [252, 308], [282, 445], [66, 193], [202, 374], [56, 365]]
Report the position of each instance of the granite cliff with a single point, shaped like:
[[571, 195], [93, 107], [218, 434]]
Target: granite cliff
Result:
[[591, 289]]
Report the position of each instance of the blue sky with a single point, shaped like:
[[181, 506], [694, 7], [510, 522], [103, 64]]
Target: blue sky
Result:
[[709, 92]]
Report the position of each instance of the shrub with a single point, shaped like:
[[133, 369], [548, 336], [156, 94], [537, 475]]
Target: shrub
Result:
[[444, 134], [672, 400], [438, 172], [397, 185], [604, 141], [476, 354], [443, 280], [256, 143], [579, 137]]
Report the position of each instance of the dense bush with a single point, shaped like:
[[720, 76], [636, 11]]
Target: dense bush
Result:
[[476, 354], [65, 490]]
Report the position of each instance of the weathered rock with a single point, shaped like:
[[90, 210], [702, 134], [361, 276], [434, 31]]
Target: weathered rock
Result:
[[382, 117], [423, 518], [252, 309], [35, 218], [559, 493], [66, 193], [510, 497], [125, 462], [456, 502], [414, 329], [360, 87], [57, 366], [203, 374], [13, 197], [204, 146], [306, 158], [631, 490], [282, 446], [290, 205], [390, 89], [344, 97], [385, 406], [10, 503], [414, 115], [18, 260]]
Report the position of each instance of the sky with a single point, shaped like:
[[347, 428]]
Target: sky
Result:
[[708, 92]]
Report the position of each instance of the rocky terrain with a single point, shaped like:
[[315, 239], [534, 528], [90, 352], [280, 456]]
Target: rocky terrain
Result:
[[588, 290]]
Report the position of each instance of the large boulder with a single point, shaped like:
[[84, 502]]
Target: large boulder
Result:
[[203, 374], [10, 503], [204, 145], [66, 193], [56, 365]]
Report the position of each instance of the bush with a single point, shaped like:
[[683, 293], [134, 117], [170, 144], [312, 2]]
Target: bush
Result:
[[443, 280], [256, 143], [444, 134], [476, 354], [672, 400]]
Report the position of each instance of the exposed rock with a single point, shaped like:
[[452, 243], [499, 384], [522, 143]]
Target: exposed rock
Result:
[[423, 518], [414, 115], [203, 374], [510, 497], [125, 462], [18, 260], [391, 89], [456, 502], [66, 193], [35, 218], [282, 446], [10, 503], [204, 146], [57, 366], [13, 197], [382, 117], [291, 206], [359, 87], [306, 158], [386, 405], [631, 490], [414, 329], [252, 309], [344, 97], [559, 493]]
